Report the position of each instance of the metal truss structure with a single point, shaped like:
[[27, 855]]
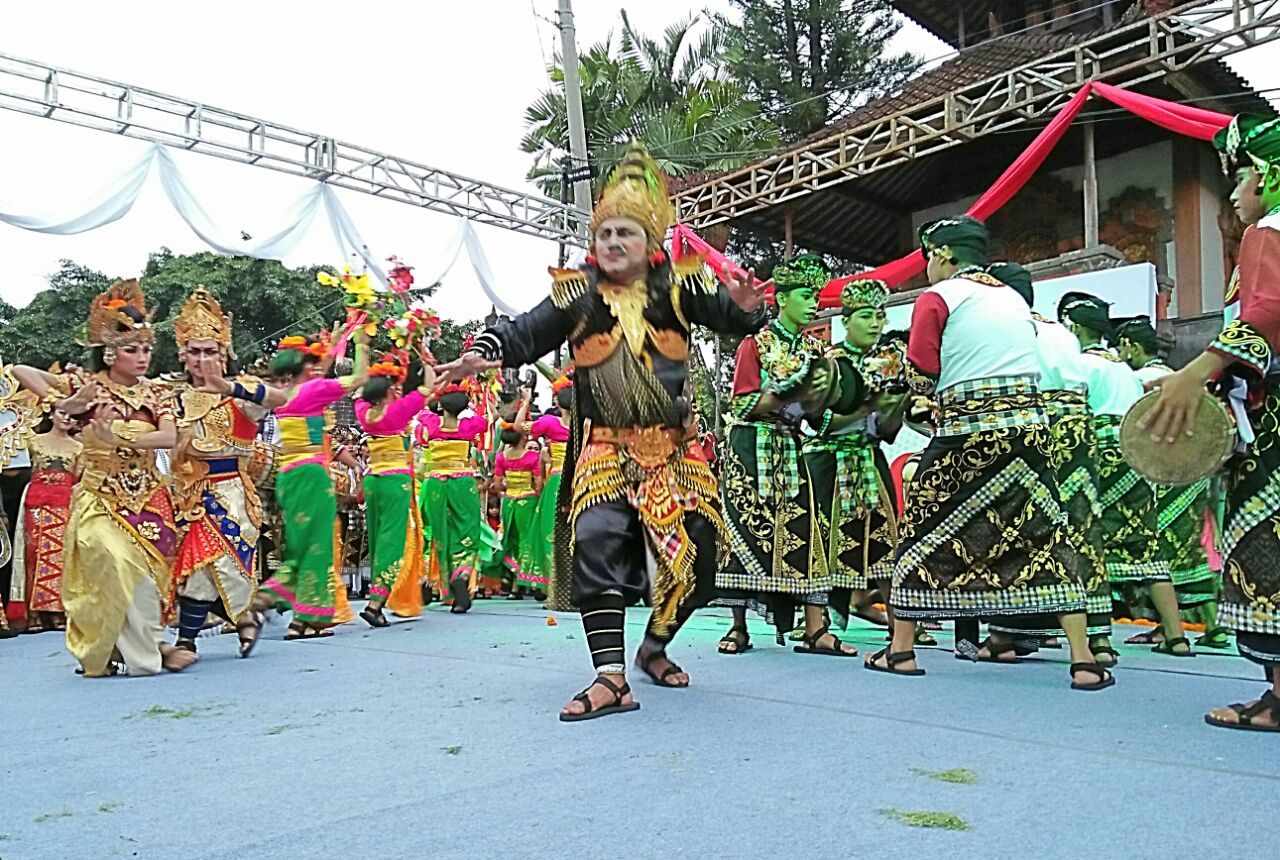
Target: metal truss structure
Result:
[[1127, 55], [46, 91]]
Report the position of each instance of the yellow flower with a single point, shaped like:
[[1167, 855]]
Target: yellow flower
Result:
[[371, 328], [327, 279]]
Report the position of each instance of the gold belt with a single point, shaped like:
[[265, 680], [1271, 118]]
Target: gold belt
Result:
[[648, 446]]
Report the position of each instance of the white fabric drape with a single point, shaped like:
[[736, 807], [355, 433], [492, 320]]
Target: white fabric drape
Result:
[[118, 197]]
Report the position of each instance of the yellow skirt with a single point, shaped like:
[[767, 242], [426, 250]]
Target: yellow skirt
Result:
[[113, 589]]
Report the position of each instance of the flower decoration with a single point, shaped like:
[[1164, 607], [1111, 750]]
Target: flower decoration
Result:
[[387, 368], [560, 384], [115, 304], [400, 278], [414, 326], [293, 341]]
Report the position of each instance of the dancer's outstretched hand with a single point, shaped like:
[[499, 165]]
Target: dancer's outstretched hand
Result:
[[465, 365]]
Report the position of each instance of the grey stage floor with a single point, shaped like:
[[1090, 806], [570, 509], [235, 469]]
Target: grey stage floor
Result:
[[438, 738]]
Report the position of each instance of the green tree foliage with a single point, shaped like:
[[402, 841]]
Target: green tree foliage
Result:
[[674, 94], [809, 62], [266, 299]]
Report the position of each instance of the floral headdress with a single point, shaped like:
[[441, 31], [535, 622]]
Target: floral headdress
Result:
[[202, 319], [389, 367], [316, 346], [110, 326]]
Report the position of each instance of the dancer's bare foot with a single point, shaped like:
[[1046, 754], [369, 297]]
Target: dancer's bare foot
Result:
[[176, 659]]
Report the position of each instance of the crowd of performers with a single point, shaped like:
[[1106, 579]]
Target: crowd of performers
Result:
[[1021, 513]]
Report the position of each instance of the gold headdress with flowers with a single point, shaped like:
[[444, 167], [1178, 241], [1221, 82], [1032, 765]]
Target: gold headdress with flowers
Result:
[[637, 190], [202, 319], [110, 326]]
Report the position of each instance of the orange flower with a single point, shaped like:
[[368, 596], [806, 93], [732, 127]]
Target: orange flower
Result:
[[116, 304], [551, 622], [293, 342]]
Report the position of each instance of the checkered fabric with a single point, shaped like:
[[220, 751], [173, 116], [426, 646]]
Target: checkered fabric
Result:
[[993, 403]]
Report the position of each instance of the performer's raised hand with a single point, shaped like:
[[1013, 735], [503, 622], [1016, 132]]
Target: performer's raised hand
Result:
[[746, 292], [465, 365], [1175, 410], [80, 402]]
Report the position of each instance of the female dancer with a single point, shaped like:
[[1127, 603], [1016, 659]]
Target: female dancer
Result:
[[121, 538], [450, 499], [393, 520], [306, 581], [38, 546]]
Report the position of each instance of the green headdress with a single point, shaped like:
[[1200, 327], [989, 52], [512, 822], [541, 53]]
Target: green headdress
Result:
[[806, 270], [1015, 276], [960, 232], [1139, 330], [1249, 140], [1088, 311]]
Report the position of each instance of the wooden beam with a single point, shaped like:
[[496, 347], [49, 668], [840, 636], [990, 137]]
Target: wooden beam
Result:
[[1090, 188], [788, 233], [1186, 226]]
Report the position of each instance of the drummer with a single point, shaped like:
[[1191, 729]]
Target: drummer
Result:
[[1130, 538], [1245, 350], [777, 561], [1181, 512]]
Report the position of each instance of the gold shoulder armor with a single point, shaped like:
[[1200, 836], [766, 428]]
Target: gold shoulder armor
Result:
[[692, 273], [567, 285]]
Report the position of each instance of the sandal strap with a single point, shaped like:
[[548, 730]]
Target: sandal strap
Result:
[[1177, 640], [1092, 668], [995, 649], [618, 692], [812, 639], [900, 657], [586, 701]]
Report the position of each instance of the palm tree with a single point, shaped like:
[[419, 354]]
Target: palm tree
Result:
[[674, 95]]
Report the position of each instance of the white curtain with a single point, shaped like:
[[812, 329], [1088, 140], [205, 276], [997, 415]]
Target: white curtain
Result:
[[115, 200]]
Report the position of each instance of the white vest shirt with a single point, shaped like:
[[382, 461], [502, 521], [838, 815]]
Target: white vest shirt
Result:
[[989, 332]]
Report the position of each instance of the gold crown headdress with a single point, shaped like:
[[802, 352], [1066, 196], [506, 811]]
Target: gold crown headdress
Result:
[[863, 293], [202, 319], [110, 326], [637, 190]]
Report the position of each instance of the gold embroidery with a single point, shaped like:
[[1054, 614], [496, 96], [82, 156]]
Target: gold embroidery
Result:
[[567, 285], [627, 304]]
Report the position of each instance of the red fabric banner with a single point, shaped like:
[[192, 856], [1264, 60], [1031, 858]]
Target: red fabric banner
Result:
[[1178, 118]]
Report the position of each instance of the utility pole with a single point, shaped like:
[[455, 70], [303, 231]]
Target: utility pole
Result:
[[573, 106]]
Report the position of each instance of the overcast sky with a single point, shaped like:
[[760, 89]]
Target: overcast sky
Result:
[[441, 83]]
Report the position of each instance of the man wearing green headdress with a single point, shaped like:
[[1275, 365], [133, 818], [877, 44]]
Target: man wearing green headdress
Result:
[[776, 561], [984, 535], [851, 479], [1064, 384], [1129, 511], [1245, 352], [1180, 513]]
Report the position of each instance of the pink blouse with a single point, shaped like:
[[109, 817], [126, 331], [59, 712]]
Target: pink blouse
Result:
[[394, 419], [549, 427], [430, 426]]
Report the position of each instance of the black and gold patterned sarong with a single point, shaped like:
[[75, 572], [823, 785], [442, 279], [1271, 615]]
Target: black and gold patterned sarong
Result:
[[856, 515], [984, 534], [1075, 465], [1251, 538], [1130, 536], [776, 556], [1180, 520]]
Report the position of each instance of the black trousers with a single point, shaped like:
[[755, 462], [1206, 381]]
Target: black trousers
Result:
[[610, 555]]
